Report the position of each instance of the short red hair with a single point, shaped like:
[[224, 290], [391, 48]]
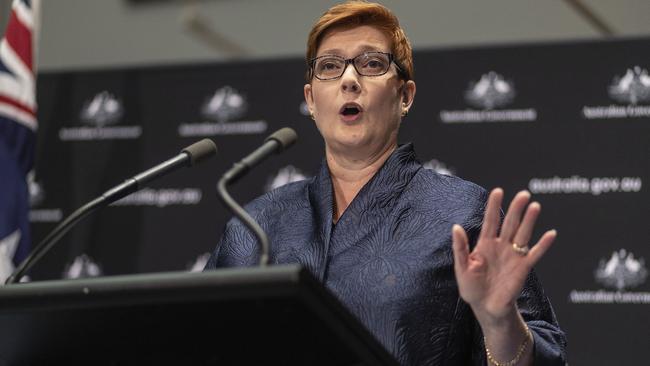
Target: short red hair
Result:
[[358, 13]]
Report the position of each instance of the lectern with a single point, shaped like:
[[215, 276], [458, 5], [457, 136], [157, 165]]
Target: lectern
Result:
[[277, 315]]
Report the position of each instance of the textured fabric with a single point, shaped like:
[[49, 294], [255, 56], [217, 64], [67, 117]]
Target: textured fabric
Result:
[[389, 258]]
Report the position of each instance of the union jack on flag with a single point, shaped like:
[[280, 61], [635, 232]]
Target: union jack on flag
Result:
[[17, 131]]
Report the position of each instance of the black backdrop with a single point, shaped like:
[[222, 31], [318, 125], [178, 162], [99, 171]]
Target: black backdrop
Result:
[[569, 121]]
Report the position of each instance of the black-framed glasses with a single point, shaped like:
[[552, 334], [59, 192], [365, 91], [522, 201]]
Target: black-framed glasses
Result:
[[330, 67]]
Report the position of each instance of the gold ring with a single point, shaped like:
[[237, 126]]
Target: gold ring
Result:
[[521, 250]]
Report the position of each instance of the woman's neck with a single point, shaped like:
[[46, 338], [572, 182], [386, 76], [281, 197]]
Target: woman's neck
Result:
[[350, 175]]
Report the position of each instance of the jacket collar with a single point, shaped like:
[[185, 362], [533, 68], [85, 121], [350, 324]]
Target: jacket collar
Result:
[[381, 192]]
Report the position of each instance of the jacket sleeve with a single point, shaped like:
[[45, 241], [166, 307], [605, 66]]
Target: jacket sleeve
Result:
[[236, 248], [535, 308]]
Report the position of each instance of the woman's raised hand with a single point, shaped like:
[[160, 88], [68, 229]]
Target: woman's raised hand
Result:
[[491, 276]]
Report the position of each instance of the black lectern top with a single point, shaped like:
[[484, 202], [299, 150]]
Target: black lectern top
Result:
[[245, 316]]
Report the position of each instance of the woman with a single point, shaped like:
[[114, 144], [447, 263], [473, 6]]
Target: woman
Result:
[[390, 238]]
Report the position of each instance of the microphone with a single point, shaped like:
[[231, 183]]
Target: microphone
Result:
[[189, 156], [277, 142]]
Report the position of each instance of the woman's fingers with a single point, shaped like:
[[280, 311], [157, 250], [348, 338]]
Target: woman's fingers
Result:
[[525, 230], [515, 230], [460, 247], [513, 216], [543, 244], [491, 218]]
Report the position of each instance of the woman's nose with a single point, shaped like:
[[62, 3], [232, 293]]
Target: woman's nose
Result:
[[350, 80]]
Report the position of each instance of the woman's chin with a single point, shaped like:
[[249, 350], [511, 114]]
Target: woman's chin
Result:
[[350, 144]]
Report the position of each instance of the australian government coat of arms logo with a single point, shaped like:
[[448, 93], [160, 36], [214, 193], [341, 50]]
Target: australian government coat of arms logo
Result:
[[631, 93], [223, 112], [489, 96], [226, 104], [491, 91], [619, 275], [37, 213], [439, 167], [82, 266], [102, 110], [286, 175], [621, 271], [100, 116]]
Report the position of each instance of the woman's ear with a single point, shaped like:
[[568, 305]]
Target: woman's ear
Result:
[[309, 99], [408, 93]]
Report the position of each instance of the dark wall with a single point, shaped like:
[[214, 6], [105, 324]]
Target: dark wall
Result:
[[570, 122]]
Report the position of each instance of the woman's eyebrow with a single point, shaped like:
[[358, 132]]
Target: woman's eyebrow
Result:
[[361, 49], [331, 51], [366, 48]]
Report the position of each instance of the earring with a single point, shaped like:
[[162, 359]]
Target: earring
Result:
[[405, 110], [311, 115]]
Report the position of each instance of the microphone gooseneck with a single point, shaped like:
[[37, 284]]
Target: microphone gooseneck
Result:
[[188, 157], [277, 142]]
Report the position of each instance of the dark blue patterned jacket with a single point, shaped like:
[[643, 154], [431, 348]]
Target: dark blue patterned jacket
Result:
[[389, 259]]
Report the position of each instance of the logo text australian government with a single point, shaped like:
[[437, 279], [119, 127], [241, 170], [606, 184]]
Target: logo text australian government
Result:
[[630, 92], [489, 95], [617, 274], [99, 117], [223, 113]]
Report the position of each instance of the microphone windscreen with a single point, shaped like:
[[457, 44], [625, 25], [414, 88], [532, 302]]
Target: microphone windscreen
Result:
[[200, 151], [285, 136]]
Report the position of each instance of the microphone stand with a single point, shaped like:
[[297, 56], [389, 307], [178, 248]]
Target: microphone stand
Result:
[[275, 143], [54, 236], [188, 157], [245, 218]]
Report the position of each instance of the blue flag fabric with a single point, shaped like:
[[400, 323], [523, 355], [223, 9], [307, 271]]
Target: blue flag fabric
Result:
[[17, 133]]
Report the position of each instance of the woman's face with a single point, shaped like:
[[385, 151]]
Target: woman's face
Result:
[[358, 114]]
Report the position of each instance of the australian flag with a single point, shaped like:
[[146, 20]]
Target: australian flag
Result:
[[17, 132]]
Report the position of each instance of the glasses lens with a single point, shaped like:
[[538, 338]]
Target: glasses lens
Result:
[[372, 63], [328, 67]]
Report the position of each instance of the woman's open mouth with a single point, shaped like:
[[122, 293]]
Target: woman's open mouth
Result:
[[350, 112]]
